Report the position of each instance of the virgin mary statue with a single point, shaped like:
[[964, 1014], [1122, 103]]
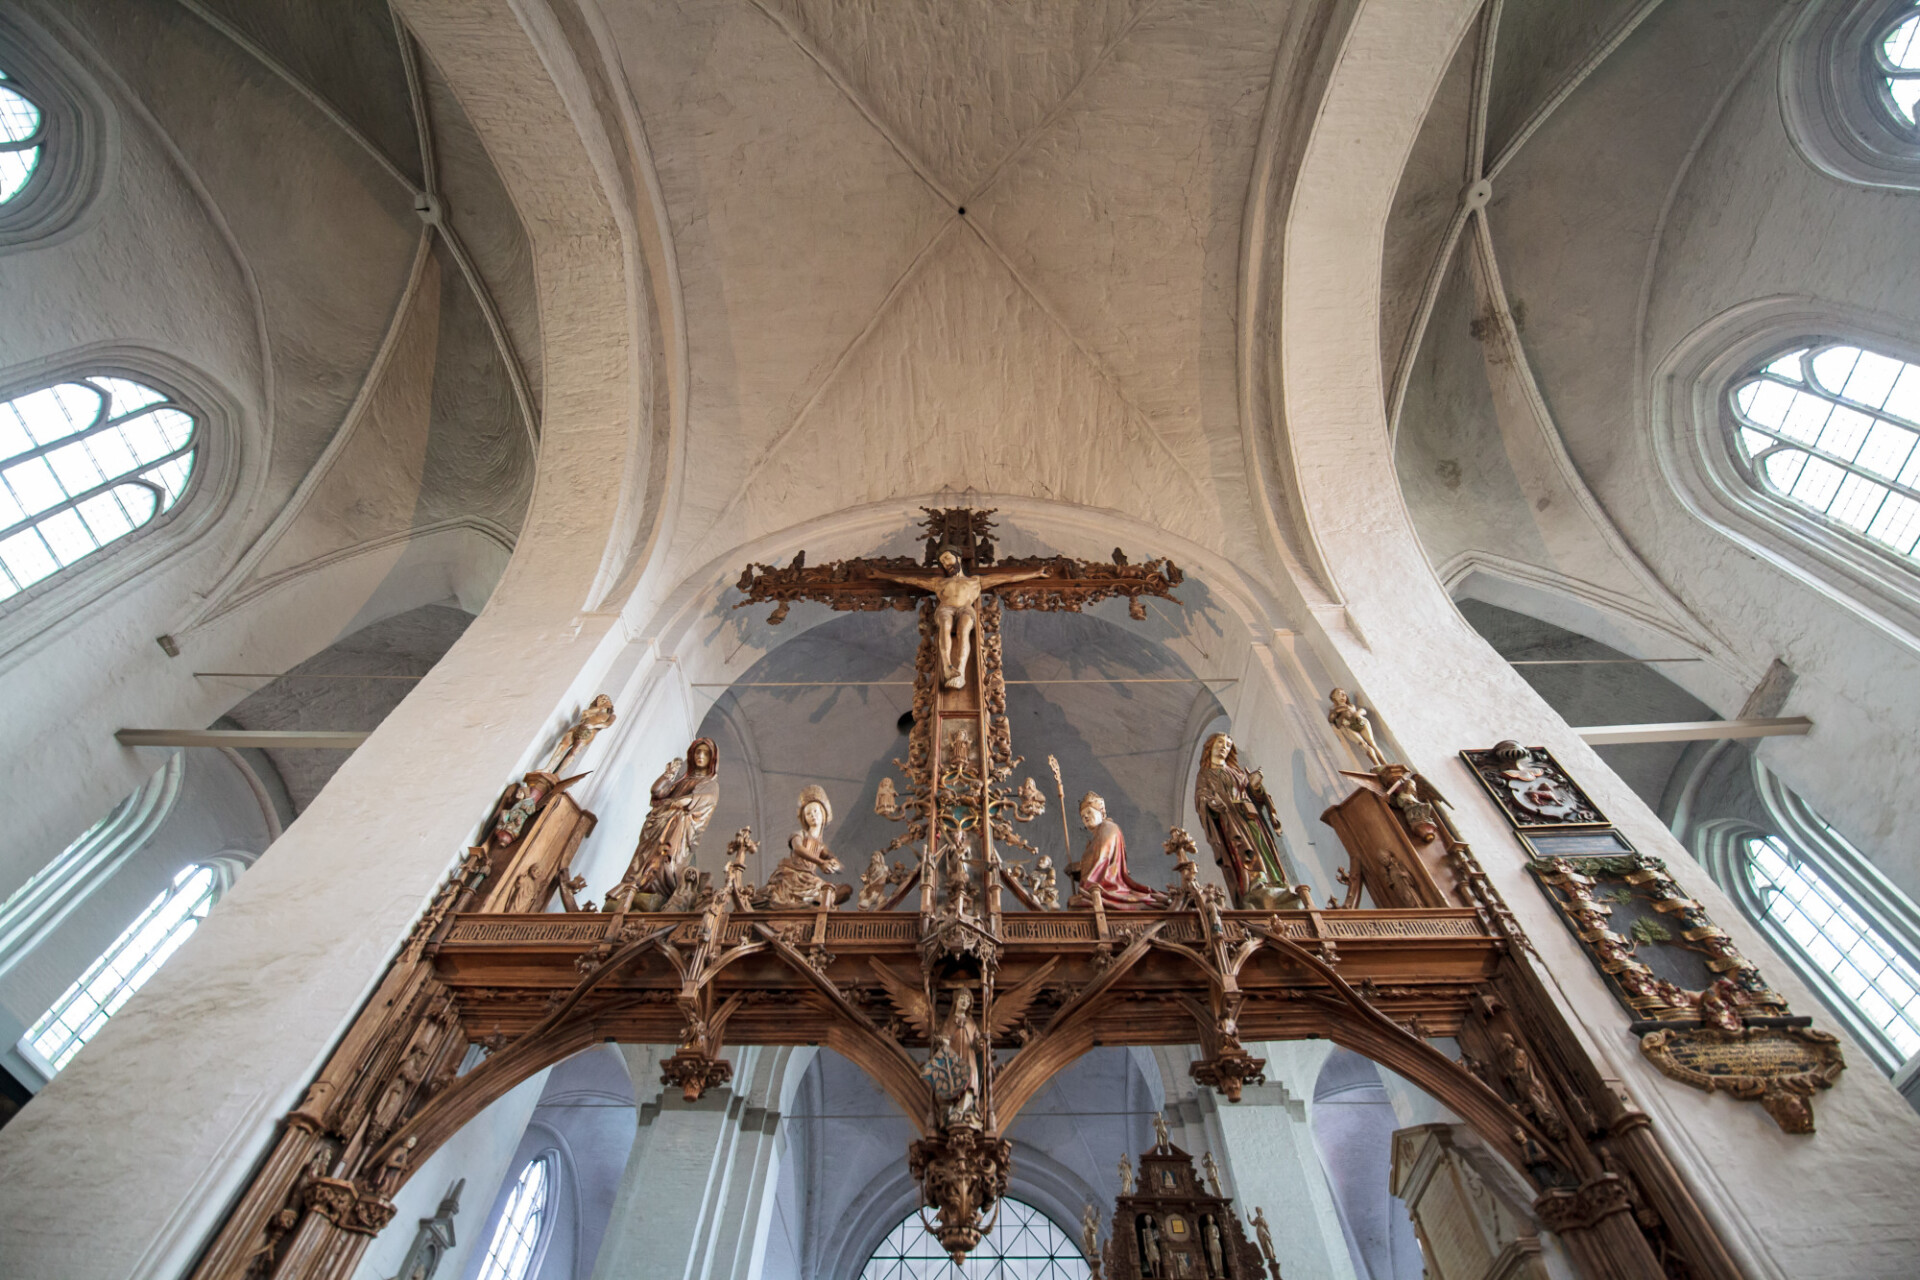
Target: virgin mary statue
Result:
[[684, 798], [1237, 816]]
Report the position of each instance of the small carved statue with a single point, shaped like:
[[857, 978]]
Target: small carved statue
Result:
[[1212, 1169], [953, 1068], [597, 716], [1210, 1237], [1149, 1245], [684, 798], [1161, 1142], [797, 881], [1352, 722], [1126, 1175], [1090, 1235], [739, 891], [1239, 821], [875, 880], [1046, 884], [1102, 868], [1413, 797], [1262, 1233], [886, 801], [1516, 1064], [957, 615]]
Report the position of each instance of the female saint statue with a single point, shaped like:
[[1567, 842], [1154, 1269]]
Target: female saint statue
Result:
[[684, 798], [1237, 816], [796, 881], [1102, 869]]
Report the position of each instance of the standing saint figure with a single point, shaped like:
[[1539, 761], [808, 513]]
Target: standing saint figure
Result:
[[1090, 1236], [1126, 1175], [684, 798], [1237, 816], [956, 616], [796, 882], [953, 1067], [597, 716], [1102, 869]]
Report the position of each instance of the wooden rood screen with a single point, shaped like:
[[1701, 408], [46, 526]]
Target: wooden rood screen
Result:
[[959, 1009]]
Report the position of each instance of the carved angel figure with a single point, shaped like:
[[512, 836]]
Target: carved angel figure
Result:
[[597, 716], [797, 882], [1414, 797], [959, 1043], [1102, 868], [1237, 816], [1353, 723], [953, 1068], [684, 798]]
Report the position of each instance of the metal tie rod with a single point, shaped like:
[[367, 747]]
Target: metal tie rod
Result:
[[323, 739], [1613, 735]]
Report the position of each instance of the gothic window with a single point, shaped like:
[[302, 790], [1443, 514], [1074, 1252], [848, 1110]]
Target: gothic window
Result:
[[1897, 60], [517, 1236], [22, 135], [135, 956], [1864, 966], [1832, 428], [1025, 1244], [85, 462]]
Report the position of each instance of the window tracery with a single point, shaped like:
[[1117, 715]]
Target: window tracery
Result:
[[518, 1234], [135, 956], [1863, 963], [1896, 57], [1025, 1244], [85, 462], [22, 137], [1833, 428]]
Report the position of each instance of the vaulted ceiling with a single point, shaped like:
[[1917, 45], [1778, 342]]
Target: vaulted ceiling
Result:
[[966, 244]]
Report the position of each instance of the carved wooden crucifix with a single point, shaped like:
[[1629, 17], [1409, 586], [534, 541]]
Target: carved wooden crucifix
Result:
[[961, 749]]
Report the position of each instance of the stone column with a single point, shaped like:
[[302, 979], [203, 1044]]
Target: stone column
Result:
[[697, 1197], [1270, 1160]]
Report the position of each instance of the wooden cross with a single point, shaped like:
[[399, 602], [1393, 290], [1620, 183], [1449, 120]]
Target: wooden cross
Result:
[[961, 748]]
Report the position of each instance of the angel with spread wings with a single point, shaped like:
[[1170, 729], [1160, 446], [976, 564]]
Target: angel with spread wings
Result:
[[959, 1045], [1411, 795], [956, 616]]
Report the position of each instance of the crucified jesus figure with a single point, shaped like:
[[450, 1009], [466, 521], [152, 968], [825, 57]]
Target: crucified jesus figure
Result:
[[956, 616]]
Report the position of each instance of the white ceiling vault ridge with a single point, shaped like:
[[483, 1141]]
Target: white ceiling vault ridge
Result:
[[853, 335]]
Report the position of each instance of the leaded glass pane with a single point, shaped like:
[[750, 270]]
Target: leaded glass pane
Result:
[[1837, 939], [1025, 1244], [517, 1235], [82, 463], [124, 968], [1832, 428], [1900, 66], [21, 127]]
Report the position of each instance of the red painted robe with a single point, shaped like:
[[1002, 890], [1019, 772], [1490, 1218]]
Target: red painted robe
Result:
[[1103, 869]]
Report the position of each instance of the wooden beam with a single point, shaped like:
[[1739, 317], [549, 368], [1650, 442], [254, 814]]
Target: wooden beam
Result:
[[1608, 735], [324, 739]]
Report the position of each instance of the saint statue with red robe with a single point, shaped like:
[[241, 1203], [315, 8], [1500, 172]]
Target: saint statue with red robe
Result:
[[1102, 869]]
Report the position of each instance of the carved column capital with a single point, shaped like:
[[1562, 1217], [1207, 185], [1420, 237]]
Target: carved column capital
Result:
[[1585, 1206]]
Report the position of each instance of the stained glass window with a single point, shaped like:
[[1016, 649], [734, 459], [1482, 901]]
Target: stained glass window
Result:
[[83, 463], [517, 1236], [1898, 54], [1839, 941], [1025, 1244], [1833, 428], [135, 956], [22, 135]]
